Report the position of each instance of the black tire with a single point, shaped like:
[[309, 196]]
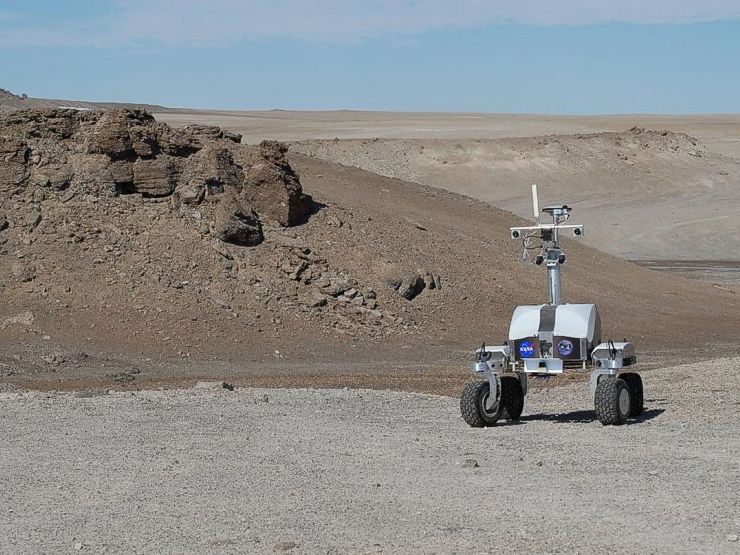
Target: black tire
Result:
[[637, 396], [612, 401], [472, 405], [512, 397]]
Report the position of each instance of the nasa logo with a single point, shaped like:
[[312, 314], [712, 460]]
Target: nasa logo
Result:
[[526, 349], [565, 347]]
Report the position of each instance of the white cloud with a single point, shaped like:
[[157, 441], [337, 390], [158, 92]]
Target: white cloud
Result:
[[198, 22]]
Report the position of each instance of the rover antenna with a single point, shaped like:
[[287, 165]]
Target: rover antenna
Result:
[[550, 252]]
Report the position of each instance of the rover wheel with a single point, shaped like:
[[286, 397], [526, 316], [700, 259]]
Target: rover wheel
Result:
[[612, 401], [473, 405], [634, 384], [512, 397]]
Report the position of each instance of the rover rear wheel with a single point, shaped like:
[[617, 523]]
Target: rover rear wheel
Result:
[[512, 397], [612, 401], [473, 405], [634, 384]]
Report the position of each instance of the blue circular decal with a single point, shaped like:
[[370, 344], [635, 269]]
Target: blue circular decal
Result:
[[565, 347], [526, 349]]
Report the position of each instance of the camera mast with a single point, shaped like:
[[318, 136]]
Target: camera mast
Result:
[[543, 238]]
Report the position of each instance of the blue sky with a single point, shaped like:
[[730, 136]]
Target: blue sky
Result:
[[542, 56]]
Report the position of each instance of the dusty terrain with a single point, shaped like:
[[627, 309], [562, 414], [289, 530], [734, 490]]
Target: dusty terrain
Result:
[[358, 471]]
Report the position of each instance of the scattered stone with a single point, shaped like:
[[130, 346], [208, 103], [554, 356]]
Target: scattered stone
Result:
[[33, 219], [22, 272], [311, 297], [280, 547], [732, 537], [214, 385], [54, 358], [67, 196], [470, 463], [410, 286], [26, 318]]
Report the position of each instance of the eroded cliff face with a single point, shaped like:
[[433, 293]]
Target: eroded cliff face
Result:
[[126, 152]]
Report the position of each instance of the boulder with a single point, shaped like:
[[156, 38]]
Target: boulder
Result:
[[110, 136], [274, 189], [213, 168], [54, 176], [411, 286], [237, 223], [157, 177]]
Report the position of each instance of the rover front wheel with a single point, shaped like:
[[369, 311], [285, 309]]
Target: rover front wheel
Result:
[[612, 401], [473, 405]]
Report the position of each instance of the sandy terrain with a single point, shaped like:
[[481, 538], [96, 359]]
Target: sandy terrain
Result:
[[720, 132], [362, 471]]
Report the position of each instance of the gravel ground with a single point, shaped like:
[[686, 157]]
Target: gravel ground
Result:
[[256, 470]]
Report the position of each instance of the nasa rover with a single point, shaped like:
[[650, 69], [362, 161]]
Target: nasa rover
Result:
[[549, 339]]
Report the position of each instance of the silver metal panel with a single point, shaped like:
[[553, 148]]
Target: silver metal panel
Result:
[[576, 320], [525, 322]]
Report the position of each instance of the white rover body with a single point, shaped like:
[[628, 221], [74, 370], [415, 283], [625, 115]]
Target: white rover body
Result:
[[550, 339]]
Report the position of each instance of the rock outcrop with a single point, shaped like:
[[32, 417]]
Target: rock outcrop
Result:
[[124, 152]]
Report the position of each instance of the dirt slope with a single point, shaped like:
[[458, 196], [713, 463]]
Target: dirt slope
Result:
[[642, 194]]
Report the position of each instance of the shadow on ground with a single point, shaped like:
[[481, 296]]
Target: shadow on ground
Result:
[[587, 416]]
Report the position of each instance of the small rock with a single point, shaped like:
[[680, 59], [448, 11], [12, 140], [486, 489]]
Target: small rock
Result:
[[53, 358], [67, 196], [312, 297], [22, 272], [470, 463], [284, 546], [214, 385], [24, 319], [33, 219], [732, 537], [78, 546], [265, 398]]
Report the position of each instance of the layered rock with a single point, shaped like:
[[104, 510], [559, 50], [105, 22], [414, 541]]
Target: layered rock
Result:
[[129, 152]]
